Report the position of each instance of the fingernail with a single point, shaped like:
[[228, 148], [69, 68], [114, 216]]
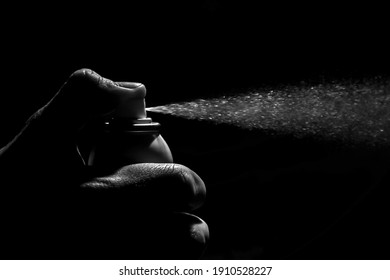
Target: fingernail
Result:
[[134, 85], [129, 85]]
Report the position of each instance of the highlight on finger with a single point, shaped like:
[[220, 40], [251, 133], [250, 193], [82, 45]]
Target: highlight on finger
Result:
[[165, 186]]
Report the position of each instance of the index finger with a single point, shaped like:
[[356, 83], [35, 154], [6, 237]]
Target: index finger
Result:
[[165, 186]]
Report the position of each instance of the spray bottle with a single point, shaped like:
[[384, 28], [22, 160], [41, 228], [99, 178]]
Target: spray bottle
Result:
[[129, 137]]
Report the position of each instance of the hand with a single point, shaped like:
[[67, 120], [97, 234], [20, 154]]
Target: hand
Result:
[[56, 207]]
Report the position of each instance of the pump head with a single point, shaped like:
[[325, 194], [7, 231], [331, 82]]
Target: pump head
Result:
[[132, 105]]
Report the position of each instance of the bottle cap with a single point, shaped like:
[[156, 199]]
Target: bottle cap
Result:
[[133, 104]]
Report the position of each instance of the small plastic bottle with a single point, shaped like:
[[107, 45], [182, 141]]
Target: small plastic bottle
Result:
[[129, 137]]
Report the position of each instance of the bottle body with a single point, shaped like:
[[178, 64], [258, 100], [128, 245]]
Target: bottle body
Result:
[[120, 144]]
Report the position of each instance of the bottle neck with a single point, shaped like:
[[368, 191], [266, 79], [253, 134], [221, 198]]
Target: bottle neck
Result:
[[125, 125]]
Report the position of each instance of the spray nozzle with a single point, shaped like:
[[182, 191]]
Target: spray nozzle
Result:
[[130, 114], [132, 105]]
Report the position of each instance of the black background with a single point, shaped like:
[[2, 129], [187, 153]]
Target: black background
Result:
[[186, 50]]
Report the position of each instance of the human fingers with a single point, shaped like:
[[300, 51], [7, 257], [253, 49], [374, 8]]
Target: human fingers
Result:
[[48, 140], [164, 186], [83, 96]]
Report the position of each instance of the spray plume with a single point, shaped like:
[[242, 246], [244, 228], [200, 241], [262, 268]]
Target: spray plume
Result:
[[353, 111]]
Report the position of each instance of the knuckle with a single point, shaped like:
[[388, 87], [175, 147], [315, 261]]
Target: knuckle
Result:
[[192, 183], [182, 173], [87, 78], [83, 73], [80, 79], [177, 174], [200, 232], [174, 171]]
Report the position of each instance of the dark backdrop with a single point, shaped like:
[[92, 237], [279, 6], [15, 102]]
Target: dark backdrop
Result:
[[182, 50]]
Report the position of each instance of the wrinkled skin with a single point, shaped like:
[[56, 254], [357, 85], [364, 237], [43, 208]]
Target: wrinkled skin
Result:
[[53, 206]]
